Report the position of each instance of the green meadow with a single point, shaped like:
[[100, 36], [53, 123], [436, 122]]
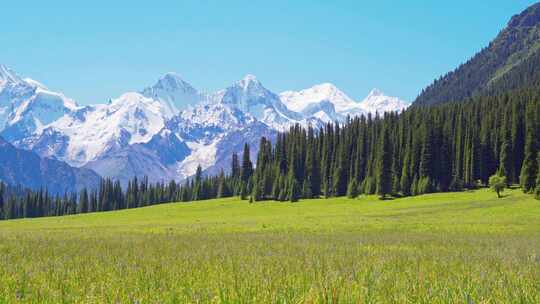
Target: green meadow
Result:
[[467, 247]]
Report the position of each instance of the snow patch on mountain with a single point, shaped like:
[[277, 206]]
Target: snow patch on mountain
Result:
[[202, 154]]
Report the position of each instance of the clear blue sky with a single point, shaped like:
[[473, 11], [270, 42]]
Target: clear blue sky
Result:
[[98, 49]]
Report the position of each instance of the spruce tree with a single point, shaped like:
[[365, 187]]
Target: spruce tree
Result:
[[384, 165], [246, 170], [223, 189], [83, 201], [2, 204], [537, 190], [352, 189], [294, 189], [505, 161], [529, 169], [198, 187]]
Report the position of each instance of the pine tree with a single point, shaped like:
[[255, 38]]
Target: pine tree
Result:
[[246, 170], [529, 169], [223, 188], [505, 161], [2, 204], [384, 166], [235, 166], [294, 189], [537, 190], [352, 189], [198, 187], [83, 201]]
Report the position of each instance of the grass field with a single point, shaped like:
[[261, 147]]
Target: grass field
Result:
[[443, 248]]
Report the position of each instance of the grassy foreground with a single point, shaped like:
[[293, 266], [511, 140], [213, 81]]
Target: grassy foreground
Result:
[[443, 248]]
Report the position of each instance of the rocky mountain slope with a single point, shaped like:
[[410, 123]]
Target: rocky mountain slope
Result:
[[21, 167]]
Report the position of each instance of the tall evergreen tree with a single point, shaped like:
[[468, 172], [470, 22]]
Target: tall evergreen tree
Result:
[[529, 169], [247, 166], [384, 165]]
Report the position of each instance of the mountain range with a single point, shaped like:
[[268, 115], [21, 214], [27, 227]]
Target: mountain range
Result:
[[165, 130]]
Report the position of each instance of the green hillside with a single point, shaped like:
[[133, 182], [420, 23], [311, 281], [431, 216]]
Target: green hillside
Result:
[[511, 61], [439, 248]]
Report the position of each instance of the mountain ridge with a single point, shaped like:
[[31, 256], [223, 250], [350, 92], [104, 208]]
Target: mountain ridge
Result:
[[510, 61]]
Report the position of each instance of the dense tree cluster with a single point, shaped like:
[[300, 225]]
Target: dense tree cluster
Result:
[[425, 149], [21, 203]]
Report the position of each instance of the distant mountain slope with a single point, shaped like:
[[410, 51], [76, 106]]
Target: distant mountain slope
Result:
[[510, 61], [21, 167]]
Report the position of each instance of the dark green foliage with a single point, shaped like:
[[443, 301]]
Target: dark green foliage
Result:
[[384, 165], [294, 190], [529, 169], [198, 185], [352, 189], [497, 183], [537, 190], [223, 189], [83, 201]]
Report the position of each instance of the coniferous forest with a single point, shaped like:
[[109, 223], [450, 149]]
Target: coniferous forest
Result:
[[448, 147]]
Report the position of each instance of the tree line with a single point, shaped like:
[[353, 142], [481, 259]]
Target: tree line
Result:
[[440, 148]]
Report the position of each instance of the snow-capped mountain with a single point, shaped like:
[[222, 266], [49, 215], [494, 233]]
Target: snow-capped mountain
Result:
[[174, 93], [377, 101], [27, 106], [95, 130], [166, 130], [250, 96], [328, 103]]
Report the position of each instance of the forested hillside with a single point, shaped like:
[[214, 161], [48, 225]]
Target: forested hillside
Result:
[[511, 61]]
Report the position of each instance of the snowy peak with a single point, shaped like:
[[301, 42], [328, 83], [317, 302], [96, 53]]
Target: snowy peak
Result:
[[27, 106], [249, 81], [175, 93], [375, 93], [377, 101], [251, 97], [8, 76], [174, 82], [301, 100], [249, 85]]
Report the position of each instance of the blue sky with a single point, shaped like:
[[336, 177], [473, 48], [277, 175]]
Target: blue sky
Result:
[[96, 50]]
